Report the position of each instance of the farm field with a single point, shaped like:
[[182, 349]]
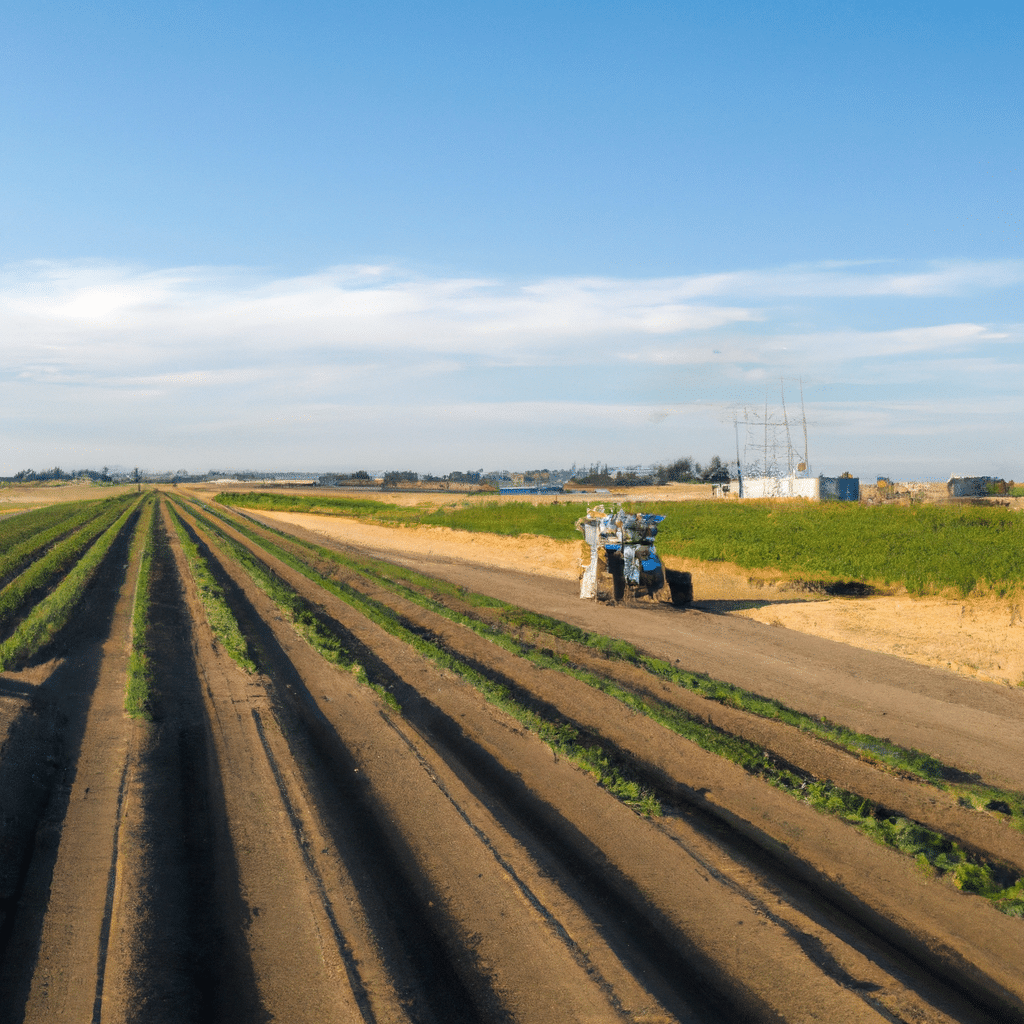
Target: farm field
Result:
[[358, 788], [923, 549]]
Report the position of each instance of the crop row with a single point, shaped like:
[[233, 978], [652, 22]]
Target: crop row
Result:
[[138, 691], [933, 851], [78, 558], [926, 548], [26, 525], [566, 741], [37, 531], [50, 566]]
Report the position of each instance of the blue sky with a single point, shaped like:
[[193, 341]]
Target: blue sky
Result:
[[449, 236]]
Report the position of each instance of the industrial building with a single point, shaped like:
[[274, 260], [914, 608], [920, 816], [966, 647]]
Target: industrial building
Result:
[[814, 488]]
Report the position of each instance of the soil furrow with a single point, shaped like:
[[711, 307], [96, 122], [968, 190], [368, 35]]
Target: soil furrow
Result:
[[58, 955], [443, 835], [978, 729], [909, 925], [497, 749], [286, 924]]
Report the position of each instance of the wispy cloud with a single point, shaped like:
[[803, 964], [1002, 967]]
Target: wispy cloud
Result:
[[90, 342], [859, 279]]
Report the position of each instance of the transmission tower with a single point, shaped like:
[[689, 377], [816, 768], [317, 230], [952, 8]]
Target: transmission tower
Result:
[[768, 449]]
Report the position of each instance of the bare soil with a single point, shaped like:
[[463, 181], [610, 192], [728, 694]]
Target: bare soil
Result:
[[978, 637], [283, 845]]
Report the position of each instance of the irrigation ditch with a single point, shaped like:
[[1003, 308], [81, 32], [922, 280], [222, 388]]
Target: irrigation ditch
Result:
[[246, 774]]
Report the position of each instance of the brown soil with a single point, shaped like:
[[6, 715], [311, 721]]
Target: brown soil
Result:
[[283, 845], [33, 495], [978, 637]]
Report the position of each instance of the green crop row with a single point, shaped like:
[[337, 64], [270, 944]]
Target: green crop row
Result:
[[44, 572], [314, 627], [882, 752], [139, 689], [19, 528], [222, 622], [51, 614], [925, 548], [565, 740], [20, 555], [934, 851]]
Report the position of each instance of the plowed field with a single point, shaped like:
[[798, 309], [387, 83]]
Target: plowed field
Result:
[[417, 806]]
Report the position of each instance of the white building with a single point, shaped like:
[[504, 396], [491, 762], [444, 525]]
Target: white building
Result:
[[814, 488]]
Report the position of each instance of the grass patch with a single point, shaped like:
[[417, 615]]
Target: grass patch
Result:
[[51, 614], [139, 689], [218, 614]]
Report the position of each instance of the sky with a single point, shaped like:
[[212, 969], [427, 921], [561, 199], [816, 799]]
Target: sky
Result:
[[440, 236]]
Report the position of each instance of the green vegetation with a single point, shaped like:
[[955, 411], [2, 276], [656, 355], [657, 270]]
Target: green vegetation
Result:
[[356, 508], [314, 627], [925, 548], [25, 526], [429, 593], [19, 555], [51, 614], [935, 852], [139, 690], [565, 740], [48, 569], [218, 614]]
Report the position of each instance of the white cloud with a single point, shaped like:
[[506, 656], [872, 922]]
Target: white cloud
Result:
[[861, 279], [222, 357]]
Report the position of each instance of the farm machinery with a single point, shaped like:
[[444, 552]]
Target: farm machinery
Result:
[[619, 562]]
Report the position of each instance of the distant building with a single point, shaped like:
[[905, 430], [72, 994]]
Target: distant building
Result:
[[535, 489], [971, 486], [814, 488]]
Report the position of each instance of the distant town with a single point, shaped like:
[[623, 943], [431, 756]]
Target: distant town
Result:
[[726, 479]]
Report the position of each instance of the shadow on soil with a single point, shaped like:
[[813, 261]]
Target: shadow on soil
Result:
[[195, 963], [419, 940], [38, 771]]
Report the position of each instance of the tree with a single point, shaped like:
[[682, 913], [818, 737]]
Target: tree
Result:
[[715, 471], [681, 471]]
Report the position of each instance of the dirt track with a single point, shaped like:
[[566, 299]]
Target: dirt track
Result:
[[284, 846]]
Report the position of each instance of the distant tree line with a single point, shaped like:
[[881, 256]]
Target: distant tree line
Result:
[[684, 471], [27, 476]]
